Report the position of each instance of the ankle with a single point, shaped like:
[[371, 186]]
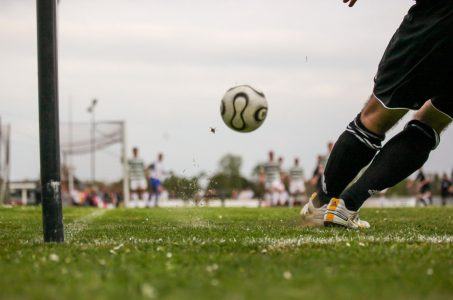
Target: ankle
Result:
[[350, 203], [321, 199]]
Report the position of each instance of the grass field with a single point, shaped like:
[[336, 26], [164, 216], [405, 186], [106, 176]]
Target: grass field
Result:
[[226, 253]]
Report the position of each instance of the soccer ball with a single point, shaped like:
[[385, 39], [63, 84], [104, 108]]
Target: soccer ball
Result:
[[243, 108]]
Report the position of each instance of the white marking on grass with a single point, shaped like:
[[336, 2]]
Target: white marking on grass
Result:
[[75, 228], [269, 244]]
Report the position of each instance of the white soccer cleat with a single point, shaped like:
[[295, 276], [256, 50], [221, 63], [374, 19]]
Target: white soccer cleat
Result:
[[338, 214], [312, 216]]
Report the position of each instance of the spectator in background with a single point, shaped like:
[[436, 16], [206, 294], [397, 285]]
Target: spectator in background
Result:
[[445, 186], [137, 178]]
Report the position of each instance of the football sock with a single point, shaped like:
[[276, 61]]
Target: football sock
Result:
[[354, 149], [400, 157]]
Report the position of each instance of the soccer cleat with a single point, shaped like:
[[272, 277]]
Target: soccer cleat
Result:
[[312, 216], [338, 214]]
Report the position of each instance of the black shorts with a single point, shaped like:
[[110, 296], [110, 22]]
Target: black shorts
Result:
[[417, 65]]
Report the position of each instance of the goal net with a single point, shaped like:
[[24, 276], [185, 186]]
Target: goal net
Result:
[[94, 153]]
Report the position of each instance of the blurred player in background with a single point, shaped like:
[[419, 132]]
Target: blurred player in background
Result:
[[137, 177], [424, 189], [316, 179], [273, 184], [157, 176], [322, 159], [445, 187], [296, 183], [261, 187], [283, 196]]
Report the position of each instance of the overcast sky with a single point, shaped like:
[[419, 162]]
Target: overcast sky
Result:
[[163, 66]]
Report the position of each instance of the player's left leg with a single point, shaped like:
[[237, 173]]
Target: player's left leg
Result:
[[400, 157]]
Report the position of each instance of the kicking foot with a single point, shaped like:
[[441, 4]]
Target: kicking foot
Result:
[[338, 215], [312, 216]]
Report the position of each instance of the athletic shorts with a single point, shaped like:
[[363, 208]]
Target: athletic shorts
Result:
[[417, 65], [138, 184], [297, 186], [275, 185], [155, 184]]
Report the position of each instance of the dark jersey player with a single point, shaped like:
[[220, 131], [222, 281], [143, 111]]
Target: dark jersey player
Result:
[[424, 189], [415, 73]]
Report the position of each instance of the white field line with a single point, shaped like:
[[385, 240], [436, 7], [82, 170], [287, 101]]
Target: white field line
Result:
[[276, 243], [74, 228]]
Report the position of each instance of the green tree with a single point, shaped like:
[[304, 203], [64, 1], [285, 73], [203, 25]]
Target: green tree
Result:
[[230, 165], [229, 178], [182, 187]]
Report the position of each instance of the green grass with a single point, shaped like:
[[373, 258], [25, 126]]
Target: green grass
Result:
[[217, 253]]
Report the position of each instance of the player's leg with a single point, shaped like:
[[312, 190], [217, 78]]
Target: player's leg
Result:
[[158, 191], [284, 198], [275, 193], [134, 193], [292, 193], [430, 198], [268, 197], [354, 150], [421, 199], [292, 199], [275, 197], [150, 193], [283, 194], [356, 147], [401, 156]]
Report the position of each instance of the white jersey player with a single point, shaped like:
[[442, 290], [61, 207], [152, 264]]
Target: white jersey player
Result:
[[156, 179], [296, 181], [137, 178], [273, 183]]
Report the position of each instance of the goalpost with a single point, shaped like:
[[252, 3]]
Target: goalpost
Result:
[[49, 138], [5, 133]]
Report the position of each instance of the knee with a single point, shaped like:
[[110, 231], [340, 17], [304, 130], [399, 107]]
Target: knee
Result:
[[423, 130], [364, 135], [431, 116], [379, 119]]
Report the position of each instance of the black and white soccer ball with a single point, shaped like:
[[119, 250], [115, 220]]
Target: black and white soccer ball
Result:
[[243, 108]]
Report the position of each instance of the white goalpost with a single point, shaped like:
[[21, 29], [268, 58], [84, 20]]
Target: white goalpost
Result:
[[5, 166]]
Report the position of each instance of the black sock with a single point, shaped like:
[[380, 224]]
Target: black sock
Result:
[[354, 149], [400, 157]]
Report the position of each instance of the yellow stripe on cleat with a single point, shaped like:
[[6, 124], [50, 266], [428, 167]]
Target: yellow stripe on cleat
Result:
[[333, 204], [329, 217], [313, 196]]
